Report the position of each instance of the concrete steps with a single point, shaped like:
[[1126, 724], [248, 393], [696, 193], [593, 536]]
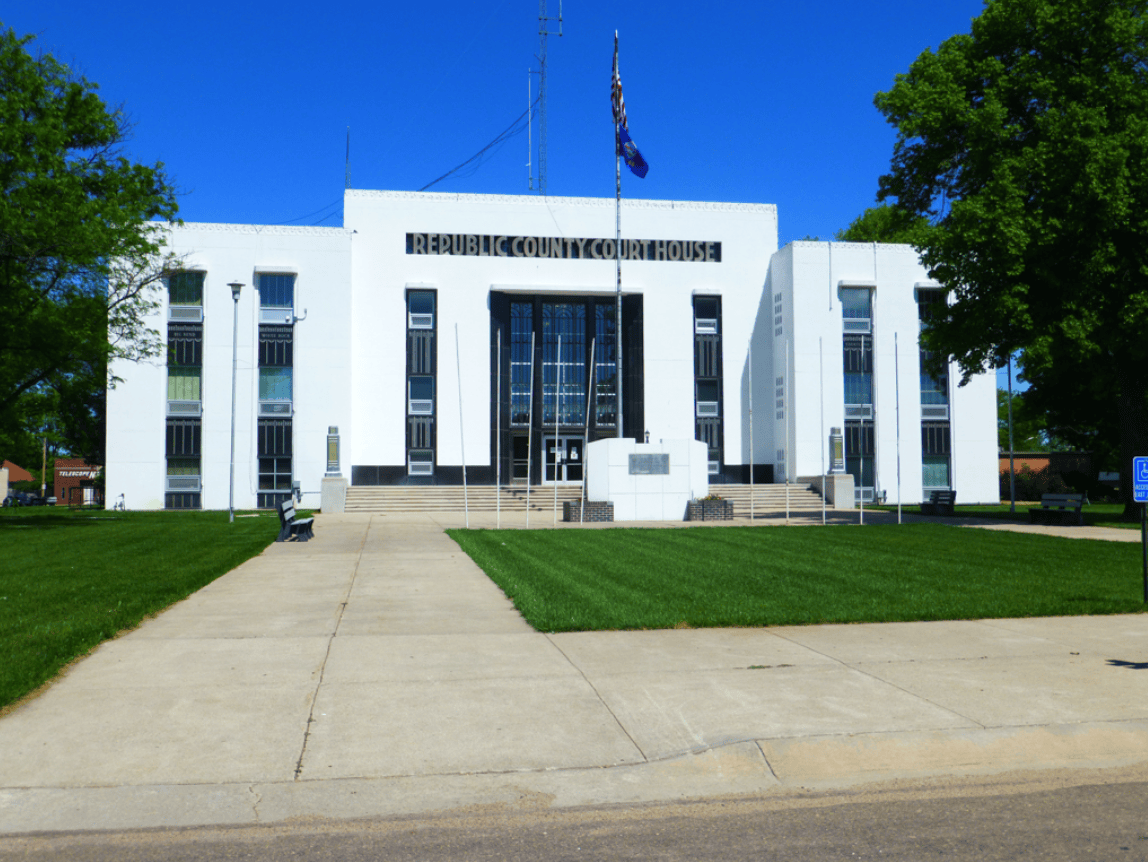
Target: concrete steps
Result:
[[768, 498], [384, 499]]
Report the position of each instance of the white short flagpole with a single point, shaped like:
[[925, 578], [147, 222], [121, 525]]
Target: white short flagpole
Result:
[[557, 410], [897, 385], [461, 428], [752, 513], [788, 412], [498, 431], [530, 433], [824, 442], [586, 431]]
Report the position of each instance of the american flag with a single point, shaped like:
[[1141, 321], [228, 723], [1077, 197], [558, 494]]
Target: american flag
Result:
[[616, 100]]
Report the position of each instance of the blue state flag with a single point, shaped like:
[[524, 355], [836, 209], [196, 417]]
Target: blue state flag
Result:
[[634, 160]]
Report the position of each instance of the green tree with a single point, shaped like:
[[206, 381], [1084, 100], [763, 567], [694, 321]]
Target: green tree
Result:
[[1031, 429], [79, 251], [1025, 145], [883, 223]]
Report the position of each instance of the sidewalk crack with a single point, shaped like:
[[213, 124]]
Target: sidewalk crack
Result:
[[327, 655], [256, 803], [889, 683], [772, 772], [601, 699]]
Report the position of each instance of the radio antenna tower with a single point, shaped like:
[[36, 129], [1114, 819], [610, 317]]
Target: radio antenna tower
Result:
[[544, 21]]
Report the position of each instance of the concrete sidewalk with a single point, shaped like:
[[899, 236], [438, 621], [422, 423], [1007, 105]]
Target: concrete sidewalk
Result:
[[376, 671]]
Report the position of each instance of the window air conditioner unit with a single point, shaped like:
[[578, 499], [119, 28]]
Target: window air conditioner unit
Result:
[[276, 315], [858, 411], [714, 467], [185, 313], [708, 408], [182, 483], [422, 321], [184, 408], [934, 411], [274, 408], [420, 468], [857, 324], [421, 407], [705, 326]]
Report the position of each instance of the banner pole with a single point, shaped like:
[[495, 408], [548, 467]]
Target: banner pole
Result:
[[461, 427], [498, 431], [618, 271], [557, 411], [586, 432], [530, 431]]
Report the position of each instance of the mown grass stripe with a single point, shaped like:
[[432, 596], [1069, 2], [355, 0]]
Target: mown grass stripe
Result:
[[573, 580]]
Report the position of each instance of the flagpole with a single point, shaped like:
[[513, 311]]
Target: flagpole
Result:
[[619, 112], [618, 269]]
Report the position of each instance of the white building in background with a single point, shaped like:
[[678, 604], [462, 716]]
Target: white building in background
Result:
[[410, 330]]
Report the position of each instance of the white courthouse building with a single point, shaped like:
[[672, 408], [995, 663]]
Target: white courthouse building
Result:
[[430, 324]]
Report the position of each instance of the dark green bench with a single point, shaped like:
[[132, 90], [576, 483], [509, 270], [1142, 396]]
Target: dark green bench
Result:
[[1059, 509], [292, 527], [940, 503]]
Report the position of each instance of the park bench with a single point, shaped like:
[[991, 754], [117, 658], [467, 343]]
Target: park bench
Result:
[[1059, 509], [291, 526], [940, 503]]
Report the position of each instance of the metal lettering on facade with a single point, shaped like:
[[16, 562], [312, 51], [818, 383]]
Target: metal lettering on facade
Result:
[[650, 465], [563, 247]]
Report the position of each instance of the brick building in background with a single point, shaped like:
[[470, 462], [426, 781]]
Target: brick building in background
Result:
[[75, 482]]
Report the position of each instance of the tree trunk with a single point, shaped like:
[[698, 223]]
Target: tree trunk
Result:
[[1132, 405]]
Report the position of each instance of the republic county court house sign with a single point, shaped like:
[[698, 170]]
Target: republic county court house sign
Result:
[[563, 248]]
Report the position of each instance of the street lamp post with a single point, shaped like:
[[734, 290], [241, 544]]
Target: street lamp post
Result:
[[235, 286]]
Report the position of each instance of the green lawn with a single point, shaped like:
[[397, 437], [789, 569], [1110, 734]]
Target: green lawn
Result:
[[1095, 514], [577, 580], [70, 579]]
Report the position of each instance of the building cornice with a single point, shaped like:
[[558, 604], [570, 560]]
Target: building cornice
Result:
[[539, 200], [269, 229]]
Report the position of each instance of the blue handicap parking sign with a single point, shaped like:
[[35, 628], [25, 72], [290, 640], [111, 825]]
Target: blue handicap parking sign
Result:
[[1140, 479]]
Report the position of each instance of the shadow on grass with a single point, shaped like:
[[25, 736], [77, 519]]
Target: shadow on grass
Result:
[[54, 521]]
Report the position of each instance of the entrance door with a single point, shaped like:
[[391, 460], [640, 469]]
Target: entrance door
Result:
[[563, 460]]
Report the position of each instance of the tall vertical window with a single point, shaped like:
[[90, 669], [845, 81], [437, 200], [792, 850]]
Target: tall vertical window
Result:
[[184, 368], [936, 449], [276, 395], [276, 372], [276, 290], [857, 364], [565, 321], [934, 388], [275, 384], [182, 488], [858, 367], [422, 314], [857, 309], [521, 362], [420, 309], [182, 482], [185, 288], [274, 446], [707, 378], [605, 365]]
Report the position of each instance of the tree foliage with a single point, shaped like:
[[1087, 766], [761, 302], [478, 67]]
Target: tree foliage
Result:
[[883, 223], [1025, 145], [80, 254]]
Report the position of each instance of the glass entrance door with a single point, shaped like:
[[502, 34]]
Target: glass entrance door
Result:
[[564, 457]]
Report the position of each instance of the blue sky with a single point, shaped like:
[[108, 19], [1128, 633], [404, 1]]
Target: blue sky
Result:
[[248, 103]]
